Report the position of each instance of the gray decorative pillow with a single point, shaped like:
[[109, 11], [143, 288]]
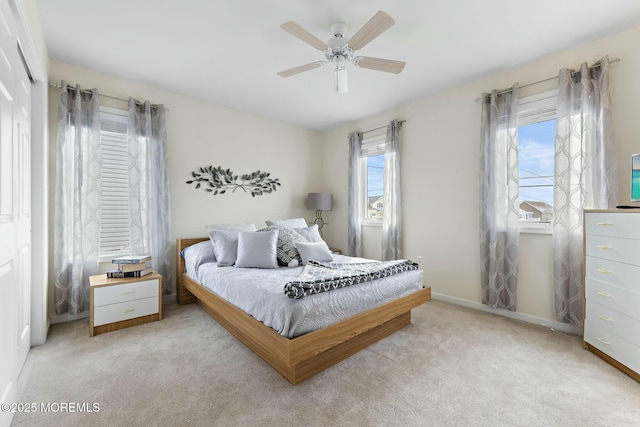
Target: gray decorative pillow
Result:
[[198, 254], [310, 233], [225, 243], [286, 248], [257, 250], [288, 223], [314, 251]]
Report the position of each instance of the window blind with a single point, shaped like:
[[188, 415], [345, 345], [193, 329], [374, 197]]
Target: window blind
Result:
[[538, 108], [114, 231]]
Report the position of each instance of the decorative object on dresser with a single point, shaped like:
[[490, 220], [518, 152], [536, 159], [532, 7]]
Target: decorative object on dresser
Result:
[[217, 181], [612, 287], [319, 202], [121, 303]]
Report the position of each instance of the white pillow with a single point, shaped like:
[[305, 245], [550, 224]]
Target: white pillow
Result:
[[247, 226], [310, 233], [314, 251], [288, 223], [257, 250], [225, 243]]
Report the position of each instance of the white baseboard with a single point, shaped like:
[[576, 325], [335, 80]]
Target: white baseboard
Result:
[[66, 317], [535, 320], [166, 299]]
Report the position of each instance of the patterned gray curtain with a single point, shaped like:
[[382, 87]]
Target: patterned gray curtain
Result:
[[355, 195], [586, 175], [149, 186], [392, 200], [77, 198], [499, 199]]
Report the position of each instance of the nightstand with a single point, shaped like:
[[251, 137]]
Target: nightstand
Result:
[[120, 303]]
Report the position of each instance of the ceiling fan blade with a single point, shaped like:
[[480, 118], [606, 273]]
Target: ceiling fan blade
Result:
[[300, 69], [379, 64], [372, 29], [304, 35]]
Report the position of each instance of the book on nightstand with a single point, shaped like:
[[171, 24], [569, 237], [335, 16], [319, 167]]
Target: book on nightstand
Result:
[[132, 267], [118, 274], [131, 259]]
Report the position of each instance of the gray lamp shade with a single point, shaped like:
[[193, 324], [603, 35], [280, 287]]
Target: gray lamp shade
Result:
[[319, 201]]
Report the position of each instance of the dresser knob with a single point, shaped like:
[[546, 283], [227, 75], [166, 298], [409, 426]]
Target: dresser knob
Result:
[[603, 341], [604, 294], [605, 318], [603, 271], [605, 247], [605, 224]]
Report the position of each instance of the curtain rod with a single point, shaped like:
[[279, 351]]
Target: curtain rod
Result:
[[381, 127], [597, 64], [59, 86]]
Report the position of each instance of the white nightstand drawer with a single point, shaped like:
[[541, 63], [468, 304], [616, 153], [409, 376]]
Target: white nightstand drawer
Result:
[[106, 295], [618, 348], [613, 248], [620, 224], [612, 321], [613, 297], [125, 310], [619, 274]]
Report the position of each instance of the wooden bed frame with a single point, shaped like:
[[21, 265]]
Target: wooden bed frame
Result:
[[302, 357]]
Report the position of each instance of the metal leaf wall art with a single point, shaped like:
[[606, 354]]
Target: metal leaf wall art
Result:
[[216, 180]]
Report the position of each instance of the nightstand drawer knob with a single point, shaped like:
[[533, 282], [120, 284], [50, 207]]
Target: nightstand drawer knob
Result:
[[129, 310], [603, 341], [604, 271], [605, 224], [128, 293], [604, 247], [605, 318], [604, 294]]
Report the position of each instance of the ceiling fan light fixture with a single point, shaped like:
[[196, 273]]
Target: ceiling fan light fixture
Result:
[[340, 73]]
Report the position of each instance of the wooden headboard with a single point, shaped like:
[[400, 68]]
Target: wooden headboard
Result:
[[183, 295]]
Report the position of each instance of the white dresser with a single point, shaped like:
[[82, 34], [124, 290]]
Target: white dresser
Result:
[[612, 287], [120, 303]]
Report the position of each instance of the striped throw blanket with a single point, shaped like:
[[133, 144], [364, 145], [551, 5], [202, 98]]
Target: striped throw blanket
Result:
[[319, 277]]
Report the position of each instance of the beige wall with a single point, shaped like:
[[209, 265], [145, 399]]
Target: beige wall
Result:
[[440, 166], [440, 169], [201, 133]]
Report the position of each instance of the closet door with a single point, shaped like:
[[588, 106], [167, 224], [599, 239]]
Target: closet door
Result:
[[15, 211]]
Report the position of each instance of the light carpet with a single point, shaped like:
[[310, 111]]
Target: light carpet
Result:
[[453, 366]]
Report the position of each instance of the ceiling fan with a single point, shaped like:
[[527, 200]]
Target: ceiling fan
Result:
[[340, 50]]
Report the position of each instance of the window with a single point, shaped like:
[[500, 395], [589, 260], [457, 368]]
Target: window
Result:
[[536, 150], [114, 230], [373, 179]]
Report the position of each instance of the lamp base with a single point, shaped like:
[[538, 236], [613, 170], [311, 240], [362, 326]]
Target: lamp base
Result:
[[319, 221]]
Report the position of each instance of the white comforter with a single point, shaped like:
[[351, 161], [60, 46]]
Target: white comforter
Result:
[[260, 293]]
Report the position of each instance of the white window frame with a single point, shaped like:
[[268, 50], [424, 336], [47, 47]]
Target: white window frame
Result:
[[372, 146], [115, 186], [536, 109]]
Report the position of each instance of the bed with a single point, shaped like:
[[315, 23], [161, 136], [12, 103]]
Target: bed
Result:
[[297, 354]]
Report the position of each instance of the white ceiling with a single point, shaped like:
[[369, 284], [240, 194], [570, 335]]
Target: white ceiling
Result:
[[229, 51]]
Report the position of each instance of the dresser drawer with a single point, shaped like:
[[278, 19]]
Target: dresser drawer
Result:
[[615, 273], [613, 248], [106, 295], [618, 348], [619, 224], [610, 296], [612, 321], [125, 310]]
